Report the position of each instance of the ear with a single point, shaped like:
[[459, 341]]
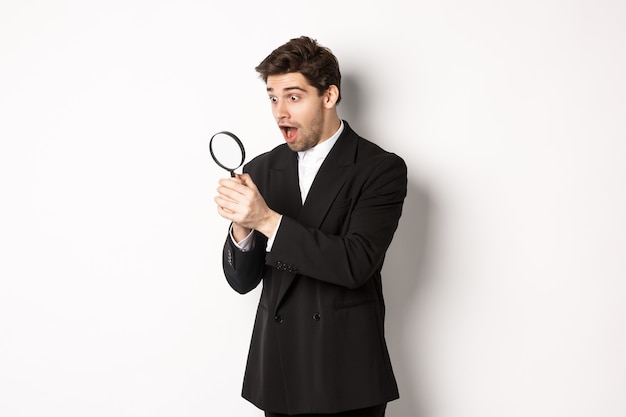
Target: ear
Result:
[[331, 95]]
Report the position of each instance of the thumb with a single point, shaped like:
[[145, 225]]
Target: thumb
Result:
[[246, 180]]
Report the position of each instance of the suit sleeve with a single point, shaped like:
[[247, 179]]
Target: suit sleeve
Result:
[[357, 254], [244, 270]]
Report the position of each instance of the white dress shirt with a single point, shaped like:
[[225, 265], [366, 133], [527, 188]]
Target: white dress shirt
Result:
[[309, 163]]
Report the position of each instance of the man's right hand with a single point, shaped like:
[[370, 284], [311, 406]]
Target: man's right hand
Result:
[[239, 200]]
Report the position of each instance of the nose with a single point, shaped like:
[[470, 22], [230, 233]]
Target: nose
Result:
[[280, 111]]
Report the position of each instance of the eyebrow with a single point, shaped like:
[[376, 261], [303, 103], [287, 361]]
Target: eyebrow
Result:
[[287, 89]]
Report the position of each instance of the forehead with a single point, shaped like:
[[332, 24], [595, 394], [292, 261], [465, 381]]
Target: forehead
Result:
[[286, 82]]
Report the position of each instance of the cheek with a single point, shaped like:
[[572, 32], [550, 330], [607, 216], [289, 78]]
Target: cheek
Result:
[[306, 113]]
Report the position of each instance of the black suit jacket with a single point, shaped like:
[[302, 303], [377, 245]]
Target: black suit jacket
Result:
[[318, 342]]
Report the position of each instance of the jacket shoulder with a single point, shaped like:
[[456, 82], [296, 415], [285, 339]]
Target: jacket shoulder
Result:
[[368, 152], [267, 159]]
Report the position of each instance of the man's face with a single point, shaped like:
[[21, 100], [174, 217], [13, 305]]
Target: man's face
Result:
[[298, 109]]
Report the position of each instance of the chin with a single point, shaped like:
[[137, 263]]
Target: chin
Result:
[[294, 147]]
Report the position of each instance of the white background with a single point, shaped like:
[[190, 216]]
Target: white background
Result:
[[505, 284]]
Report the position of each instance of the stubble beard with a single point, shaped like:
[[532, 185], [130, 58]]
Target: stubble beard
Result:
[[308, 138]]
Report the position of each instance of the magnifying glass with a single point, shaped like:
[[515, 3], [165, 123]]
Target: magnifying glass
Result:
[[227, 151]]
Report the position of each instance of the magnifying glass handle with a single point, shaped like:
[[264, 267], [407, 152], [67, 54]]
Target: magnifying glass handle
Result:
[[232, 174]]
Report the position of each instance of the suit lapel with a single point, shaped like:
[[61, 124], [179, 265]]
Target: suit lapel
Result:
[[283, 191], [329, 180], [327, 183]]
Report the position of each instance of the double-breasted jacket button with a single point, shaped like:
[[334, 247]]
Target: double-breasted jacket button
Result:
[[278, 319], [281, 266], [317, 317]]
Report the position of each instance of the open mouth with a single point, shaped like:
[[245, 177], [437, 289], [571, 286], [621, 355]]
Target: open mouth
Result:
[[289, 133]]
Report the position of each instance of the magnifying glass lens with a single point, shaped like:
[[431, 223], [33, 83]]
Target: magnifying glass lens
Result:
[[227, 151]]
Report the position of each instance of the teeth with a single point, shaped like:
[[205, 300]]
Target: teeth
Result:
[[288, 132]]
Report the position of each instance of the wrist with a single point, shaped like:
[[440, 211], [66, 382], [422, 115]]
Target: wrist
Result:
[[269, 224], [239, 232]]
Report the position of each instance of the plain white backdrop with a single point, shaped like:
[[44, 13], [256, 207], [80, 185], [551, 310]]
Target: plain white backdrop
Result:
[[505, 284]]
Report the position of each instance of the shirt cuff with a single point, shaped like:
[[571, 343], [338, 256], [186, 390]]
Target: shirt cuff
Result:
[[246, 244], [270, 241]]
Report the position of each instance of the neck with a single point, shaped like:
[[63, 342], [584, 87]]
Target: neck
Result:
[[331, 126]]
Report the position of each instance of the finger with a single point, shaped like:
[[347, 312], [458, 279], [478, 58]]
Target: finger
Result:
[[246, 179], [229, 194], [235, 185], [225, 212], [236, 178], [226, 203], [236, 192]]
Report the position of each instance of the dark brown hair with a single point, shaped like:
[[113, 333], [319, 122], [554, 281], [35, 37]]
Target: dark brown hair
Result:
[[304, 55]]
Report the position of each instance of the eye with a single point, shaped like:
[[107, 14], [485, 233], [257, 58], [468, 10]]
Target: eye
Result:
[[293, 97], [273, 99]]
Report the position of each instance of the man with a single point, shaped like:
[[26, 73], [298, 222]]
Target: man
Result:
[[313, 219]]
